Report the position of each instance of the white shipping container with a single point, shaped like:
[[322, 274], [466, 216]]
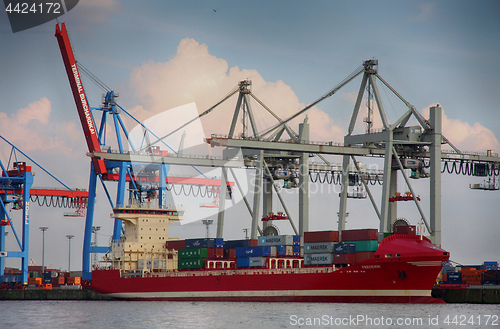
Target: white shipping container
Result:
[[279, 240], [318, 247], [318, 259]]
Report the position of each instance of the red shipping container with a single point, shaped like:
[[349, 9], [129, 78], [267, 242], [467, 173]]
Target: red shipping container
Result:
[[254, 243], [344, 258], [215, 253], [58, 281], [408, 230], [321, 236], [363, 255], [38, 269], [229, 253], [175, 244], [359, 235]]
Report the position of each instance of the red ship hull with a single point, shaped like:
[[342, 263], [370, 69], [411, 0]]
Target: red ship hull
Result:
[[403, 270]]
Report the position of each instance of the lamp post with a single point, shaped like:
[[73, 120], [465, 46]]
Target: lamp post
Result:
[[69, 236], [207, 223], [43, 228]]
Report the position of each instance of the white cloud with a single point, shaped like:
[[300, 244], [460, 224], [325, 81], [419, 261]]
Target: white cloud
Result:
[[30, 129], [467, 137], [194, 75]]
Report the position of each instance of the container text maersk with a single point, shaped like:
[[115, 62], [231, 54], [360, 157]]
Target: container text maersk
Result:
[[86, 110], [359, 320]]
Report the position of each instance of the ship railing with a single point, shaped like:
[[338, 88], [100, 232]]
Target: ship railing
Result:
[[260, 271]]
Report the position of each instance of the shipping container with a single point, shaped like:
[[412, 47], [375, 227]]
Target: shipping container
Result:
[[448, 268], [318, 259], [200, 243], [35, 281], [406, 229], [363, 255], [229, 253], [288, 250], [279, 240], [219, 243], [359, 235], [253, 251], [38, 269], [185, 264], [489, 266], [57, 281], [74, 280], [321, 236], [344, 248], [193, 253], [490, 275], [344, 258], [365, 245], [233, 244], [454, 276], [251, 262], [175, 244], [318, 247]]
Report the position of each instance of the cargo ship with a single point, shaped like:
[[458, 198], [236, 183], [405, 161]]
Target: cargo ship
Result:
[[145, 265]]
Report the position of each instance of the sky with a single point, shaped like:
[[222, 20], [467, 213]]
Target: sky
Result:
[[161, 55]]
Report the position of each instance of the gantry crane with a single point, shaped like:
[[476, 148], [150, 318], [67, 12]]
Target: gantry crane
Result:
[[16, 191]]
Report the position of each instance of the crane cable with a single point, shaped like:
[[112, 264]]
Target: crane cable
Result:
[[92, 77]]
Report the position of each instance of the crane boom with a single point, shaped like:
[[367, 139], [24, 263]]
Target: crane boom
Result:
[[86, 119]]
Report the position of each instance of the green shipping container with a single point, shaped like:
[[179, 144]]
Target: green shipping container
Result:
[[365, 245], [185, 264], [193, 253], [386, 234]]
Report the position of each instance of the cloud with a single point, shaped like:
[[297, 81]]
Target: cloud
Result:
[[194, 75], [30, 129], [467, 137], [38, 110]]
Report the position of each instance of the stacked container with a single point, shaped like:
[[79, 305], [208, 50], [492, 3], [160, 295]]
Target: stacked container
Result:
[[366, 241], [471, 275], [252, 256], [175, 244], [319, 247], [231, 245], [282, 245]]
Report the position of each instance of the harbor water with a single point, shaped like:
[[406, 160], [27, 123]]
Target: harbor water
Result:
[[128, 314]]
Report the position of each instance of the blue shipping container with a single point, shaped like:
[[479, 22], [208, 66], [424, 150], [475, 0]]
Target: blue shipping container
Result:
[[344, 248], [219, 243], [233, 244], [253, 251], [200, 243]]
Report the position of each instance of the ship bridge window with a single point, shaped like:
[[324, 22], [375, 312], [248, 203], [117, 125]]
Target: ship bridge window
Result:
[[398, 255], [388, 255]]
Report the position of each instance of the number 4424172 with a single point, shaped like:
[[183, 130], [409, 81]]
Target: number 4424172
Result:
[[473, 320], [41, 8]]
